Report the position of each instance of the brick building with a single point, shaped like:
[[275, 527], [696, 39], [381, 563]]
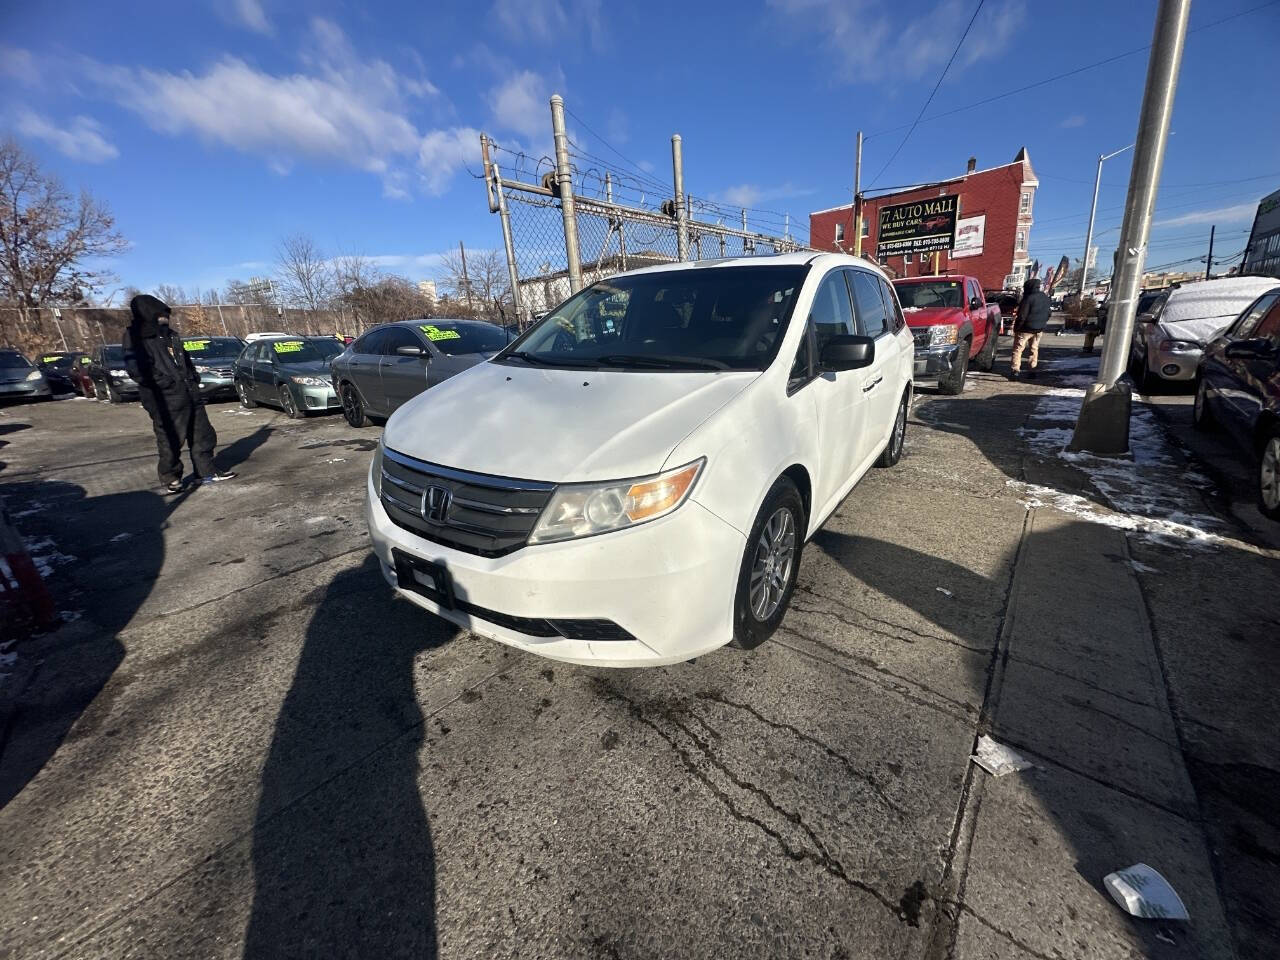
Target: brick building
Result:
[[993, 232]]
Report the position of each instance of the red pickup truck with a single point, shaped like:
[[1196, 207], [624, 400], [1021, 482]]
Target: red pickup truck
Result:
[[952, 324]]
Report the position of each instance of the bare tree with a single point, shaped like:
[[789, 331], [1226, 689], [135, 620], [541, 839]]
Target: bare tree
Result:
[[356, 279], [171, 294], [484, 280], [48, 237], [306, 277]]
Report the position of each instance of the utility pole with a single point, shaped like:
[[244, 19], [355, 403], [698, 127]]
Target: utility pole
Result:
[[677, 174], [1208, 264], [1103, 426], [564, 185], [857, 199], [466, 283]]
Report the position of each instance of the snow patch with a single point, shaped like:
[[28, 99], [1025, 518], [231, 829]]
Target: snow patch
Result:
[[315, 520], [119, 537], [45, 555]]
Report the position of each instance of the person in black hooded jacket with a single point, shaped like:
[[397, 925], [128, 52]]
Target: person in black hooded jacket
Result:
[[1032, 318], [169, 389]]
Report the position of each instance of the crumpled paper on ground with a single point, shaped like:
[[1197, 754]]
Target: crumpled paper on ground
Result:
[[997, 759]]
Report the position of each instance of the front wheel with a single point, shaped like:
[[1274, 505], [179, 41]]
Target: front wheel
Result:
[[770, 563], [892, 452], [1269, 475], [1201, 415], [288, 404], [353, 406], [113, 395], [953, 383], [245, 400]]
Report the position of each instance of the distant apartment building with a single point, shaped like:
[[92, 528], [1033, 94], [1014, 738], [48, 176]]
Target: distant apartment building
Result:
[[993, 232], [1262, 255]]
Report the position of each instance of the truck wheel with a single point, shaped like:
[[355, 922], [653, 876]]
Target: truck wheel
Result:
[[987, 359], [892, 452], [953, 383], [769, 566]]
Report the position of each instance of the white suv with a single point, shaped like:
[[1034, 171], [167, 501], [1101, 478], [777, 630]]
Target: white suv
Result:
[[631, 482]]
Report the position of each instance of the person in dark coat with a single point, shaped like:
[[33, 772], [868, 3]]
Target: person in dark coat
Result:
[[169, 389], [1032, 318]]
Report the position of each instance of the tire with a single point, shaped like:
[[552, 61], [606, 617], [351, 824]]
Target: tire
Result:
[[1201, 415], [892, 451], [953, 383], [113, 395], [289, 405], [783, 516], [1269, 473], [353, 406], [1145, 380], [987, 359], [245, 400]]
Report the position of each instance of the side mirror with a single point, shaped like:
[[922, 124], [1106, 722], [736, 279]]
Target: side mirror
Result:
[[410, 351], [847, 352], [1250, 349], [1147, 317], [975, 303]]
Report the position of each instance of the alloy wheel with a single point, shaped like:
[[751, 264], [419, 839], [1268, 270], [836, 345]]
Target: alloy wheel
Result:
[[351, 405], [899, 428], [771, 568], [1269, 474], [286, 401]]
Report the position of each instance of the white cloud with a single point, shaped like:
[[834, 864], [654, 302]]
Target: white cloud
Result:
[[82, 140], [1075, 120], [752, 194], [1235, 214], [520, 105], [249, 13], [552, 21], [345, 108]]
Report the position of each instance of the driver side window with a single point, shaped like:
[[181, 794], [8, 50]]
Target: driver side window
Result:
[[832, 314]]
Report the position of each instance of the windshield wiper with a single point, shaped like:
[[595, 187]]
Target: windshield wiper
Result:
[[660, 362], [536, 360]]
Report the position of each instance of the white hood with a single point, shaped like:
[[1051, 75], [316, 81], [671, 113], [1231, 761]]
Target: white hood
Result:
[[534, 424]]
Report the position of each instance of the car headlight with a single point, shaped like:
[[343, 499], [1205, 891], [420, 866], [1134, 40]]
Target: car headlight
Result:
[[376, 469], [119, 373], [35, 375], [585, 509], [1182, 346], [310, 381], [942, 333], [200, 369]]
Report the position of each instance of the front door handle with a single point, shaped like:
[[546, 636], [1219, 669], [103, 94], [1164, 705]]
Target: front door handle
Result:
[[873, 384]]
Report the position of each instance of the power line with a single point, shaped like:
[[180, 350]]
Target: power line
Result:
[[942, 76]]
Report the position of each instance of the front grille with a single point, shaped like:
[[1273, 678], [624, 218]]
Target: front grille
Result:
[[922, 337], [487, 516]]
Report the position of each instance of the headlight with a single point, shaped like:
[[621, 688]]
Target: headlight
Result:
[[119, 373], [1182, 346], [376, 469], [310, 381], [35, 375], [584, 509], [941, 334], [200, 369]]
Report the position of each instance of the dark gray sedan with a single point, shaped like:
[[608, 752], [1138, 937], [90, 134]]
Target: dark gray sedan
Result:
[[391, 364]]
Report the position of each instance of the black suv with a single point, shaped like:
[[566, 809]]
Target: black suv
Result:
[[111, 381]]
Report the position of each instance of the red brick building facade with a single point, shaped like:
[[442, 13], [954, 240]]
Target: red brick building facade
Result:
[[995, 204]]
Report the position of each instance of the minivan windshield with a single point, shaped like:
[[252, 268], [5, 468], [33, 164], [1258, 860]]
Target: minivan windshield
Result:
[[940, 293], [708, 318]]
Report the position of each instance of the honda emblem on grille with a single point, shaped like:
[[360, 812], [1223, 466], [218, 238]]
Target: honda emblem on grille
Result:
[[435, 503]]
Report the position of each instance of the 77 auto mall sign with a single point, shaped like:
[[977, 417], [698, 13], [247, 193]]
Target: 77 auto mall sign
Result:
[[921, 226]]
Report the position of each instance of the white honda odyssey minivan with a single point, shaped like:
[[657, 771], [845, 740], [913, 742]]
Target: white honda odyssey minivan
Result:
[[631, 482]]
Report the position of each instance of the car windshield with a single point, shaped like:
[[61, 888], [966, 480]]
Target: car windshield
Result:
[[113, 354], [13, 361], [454, 338], [708, 318], [289, 352], [200, 349], [59, 361], [942, 293]]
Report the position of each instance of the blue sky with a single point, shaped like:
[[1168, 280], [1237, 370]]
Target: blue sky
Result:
[[214, 129]]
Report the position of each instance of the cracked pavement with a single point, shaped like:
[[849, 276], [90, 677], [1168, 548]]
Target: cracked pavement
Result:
[[242, 745]]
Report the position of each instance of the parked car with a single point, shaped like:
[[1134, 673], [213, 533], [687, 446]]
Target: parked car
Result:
[[1170, 335], [952, 323], [392, 364], [631, 482], [291, 373], [1146, 301], [213, 358], [265, 335], [1238, 386], [59, 369], [20, 379], [1006, 301], [111, 381], [80, 379]]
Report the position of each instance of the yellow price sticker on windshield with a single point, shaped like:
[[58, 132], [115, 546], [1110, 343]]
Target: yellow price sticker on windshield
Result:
[[51, 357], [287, 346], [435, 333], [196, 345]]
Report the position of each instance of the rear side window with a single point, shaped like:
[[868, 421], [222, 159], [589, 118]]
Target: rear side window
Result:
[[370, 343], [873, 318], [1269, 326], [831, 314], [394, 337], [1249, 320]]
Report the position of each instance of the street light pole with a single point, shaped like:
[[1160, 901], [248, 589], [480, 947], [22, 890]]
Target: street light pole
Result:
[[1093, 213], [1103, 426]]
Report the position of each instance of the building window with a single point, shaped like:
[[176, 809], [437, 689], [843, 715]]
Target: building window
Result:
[[1024, 206], [1022, 240], [866, 226], [906, 258], [839, 233]]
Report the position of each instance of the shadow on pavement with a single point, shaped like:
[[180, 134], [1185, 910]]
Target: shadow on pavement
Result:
[[238, 451], [342, 853], [101, 557]]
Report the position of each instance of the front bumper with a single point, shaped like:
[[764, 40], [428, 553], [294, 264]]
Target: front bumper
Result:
[[213, 385], [316, 398], [934, 363], [1174, 365], [125, 386], [25, 390], [670, 584]]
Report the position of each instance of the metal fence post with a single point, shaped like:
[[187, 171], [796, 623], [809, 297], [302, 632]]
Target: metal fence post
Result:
[[513, 277], [677, 170], [225, 333], [564, 185]]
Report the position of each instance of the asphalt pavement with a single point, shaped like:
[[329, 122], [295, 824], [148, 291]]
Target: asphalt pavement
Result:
[[239, 743]]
